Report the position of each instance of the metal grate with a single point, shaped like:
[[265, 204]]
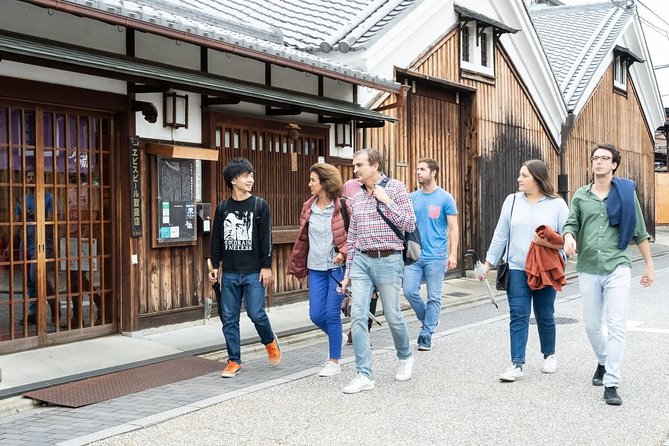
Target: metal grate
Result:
[[114, 385]]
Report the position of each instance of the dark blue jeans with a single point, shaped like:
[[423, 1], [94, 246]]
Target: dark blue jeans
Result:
[[521, 298], [238, 287]]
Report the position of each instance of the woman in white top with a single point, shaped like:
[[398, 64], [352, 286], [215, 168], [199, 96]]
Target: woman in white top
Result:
[[535, 204]]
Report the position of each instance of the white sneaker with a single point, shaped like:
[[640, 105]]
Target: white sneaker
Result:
[[330, 369], [511, 374], [404, 369], [550, 364], [359, 383]]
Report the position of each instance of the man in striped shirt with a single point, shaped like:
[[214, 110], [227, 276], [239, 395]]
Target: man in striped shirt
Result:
[[375, 260]]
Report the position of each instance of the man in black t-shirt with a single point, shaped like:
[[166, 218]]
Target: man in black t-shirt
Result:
[[242, 241]]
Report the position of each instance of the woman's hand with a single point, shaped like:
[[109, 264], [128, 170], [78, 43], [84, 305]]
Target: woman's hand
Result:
[[483, 271], [339, 259]]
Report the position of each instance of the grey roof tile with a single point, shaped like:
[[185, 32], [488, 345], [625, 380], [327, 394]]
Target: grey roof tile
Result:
[[285, 28], [577, 39]]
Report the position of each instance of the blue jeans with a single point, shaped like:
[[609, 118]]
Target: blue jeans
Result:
[[247, 287], [521, 298], [325, 306], [386, 274], [605, 298], [432, 271]]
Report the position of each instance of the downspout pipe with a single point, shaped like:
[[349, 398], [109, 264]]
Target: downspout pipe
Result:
[[565, 132]]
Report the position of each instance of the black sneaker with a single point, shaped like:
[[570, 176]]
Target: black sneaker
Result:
[[424, 343], [611, 396], [598, 376]]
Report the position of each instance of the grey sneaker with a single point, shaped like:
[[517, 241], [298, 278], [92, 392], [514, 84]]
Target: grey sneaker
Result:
[[424, 343], [599, 375], [611, 396]]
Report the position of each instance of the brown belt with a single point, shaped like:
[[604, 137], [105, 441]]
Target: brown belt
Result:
[[376, 253]]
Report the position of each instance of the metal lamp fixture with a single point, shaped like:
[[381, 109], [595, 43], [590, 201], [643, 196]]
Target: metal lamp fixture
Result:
[[293, 131], [343, 134], [175, 110]]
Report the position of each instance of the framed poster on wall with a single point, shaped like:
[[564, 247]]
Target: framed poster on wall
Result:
[[175, 215]]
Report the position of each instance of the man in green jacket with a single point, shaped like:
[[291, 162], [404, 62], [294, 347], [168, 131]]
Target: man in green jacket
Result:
[[605, 216]]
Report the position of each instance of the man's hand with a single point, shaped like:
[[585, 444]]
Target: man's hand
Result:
[[380, 194], [344, 285], [213, 276], [570, 247], [648, 276], [266, 277], [452, 262]]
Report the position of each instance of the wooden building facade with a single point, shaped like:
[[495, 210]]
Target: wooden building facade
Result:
[[480, 129], [113, 135]]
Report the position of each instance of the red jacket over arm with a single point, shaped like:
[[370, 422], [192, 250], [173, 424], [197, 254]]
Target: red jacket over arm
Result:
[[545, 266]]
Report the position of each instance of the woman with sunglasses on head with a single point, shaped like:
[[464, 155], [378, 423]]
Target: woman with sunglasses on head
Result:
[[319, 255], [535, 204]]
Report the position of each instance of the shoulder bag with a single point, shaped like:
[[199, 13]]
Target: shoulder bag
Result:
[[503, 265]]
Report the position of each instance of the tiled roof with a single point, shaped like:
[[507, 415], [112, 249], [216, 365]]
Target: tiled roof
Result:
[[308, 25], [288, 29], [576, 40]]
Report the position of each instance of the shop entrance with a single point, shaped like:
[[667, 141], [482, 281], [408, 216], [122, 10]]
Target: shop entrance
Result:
[[56, 225]]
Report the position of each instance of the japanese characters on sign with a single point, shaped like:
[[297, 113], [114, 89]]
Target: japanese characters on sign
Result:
[[135, 188]]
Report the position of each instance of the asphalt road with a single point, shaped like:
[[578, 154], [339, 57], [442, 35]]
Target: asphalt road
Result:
[[454, 396]]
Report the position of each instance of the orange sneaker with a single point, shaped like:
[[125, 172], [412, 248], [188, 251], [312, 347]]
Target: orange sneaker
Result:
[[231, 370], [274, 352]]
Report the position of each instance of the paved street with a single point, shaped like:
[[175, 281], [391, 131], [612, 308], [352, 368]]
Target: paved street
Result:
[[453, 398]]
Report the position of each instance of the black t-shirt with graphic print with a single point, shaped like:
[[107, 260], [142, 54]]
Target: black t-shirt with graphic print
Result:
[[242, 235]]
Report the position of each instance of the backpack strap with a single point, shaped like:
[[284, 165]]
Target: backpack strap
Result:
[[344, 212], [384, 181]]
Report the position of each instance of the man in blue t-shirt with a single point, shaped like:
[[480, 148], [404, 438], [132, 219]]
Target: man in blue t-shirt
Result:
[[437, 217]]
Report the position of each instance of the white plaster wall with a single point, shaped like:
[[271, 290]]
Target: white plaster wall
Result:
[[167, 51], [336, 89], [58, 77], [231, 65], [294, 80], [23, 18], [193, 134]]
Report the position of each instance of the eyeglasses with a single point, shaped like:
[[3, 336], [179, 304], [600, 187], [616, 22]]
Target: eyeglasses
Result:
[[603, 158]]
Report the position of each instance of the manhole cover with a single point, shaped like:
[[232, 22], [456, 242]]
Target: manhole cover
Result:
[[458, 294], [558, 321]]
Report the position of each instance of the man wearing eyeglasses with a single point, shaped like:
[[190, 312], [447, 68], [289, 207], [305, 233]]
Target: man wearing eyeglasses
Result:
[[605, 216]]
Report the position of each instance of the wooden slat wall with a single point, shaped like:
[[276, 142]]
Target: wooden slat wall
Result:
[[170, 278], [506, 130], [619, 120]]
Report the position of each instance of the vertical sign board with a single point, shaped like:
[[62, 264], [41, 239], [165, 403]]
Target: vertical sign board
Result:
[[135, 188], [176, 200]]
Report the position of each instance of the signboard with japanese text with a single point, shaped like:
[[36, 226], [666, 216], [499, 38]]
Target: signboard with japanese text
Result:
[[135, 188]]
